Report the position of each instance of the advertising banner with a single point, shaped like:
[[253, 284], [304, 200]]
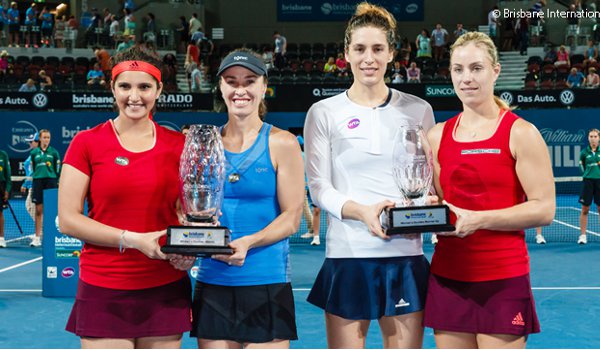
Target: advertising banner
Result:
[[342, 10]]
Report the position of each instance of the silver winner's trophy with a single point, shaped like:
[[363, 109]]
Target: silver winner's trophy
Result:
[[201, 180], [412, 168]]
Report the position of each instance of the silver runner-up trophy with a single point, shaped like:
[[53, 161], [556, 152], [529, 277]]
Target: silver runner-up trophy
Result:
[[201, 180], [412, 168]]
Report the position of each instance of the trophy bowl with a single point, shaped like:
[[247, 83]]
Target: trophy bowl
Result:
[[202, 180], [412, 169]]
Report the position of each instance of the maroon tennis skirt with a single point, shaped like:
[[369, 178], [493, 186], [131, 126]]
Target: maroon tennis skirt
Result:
[[503, 306], [112, 313]]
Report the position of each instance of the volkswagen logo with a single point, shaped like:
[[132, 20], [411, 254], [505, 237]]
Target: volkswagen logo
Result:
[[507, 97], [39, 100], [567, 97]]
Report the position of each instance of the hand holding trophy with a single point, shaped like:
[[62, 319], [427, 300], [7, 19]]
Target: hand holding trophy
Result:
[[412, 168], [202, 178]]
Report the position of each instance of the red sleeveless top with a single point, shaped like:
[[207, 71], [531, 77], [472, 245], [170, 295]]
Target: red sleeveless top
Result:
[[480, 175]]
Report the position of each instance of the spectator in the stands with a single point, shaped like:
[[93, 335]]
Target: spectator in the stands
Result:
[[28, 86], [562, 57], [113, 29], [47, 25], [31, 16], [341, 65], [573, 22], [404, 52], [95, 76], [591, 53], [439, 37], [267, 56], [102, 57], [206, 48], [129, 28], [14, 24], [397, 73], [459, 31], [195, 24], [522, 29], [575, 79], [280, 44], [150, 29], [60, 23], [195, 78], [45, 81], [551, 55], [423, 43], [330, 68], [184, 33], [91, 37], [127, 43], [413, 73], [592, 80], [3, 62]]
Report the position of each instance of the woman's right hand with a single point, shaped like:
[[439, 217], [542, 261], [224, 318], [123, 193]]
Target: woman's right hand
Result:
[[370, 216], [147, 243]]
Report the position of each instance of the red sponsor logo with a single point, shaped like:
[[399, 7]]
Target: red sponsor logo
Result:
[[518, 320]]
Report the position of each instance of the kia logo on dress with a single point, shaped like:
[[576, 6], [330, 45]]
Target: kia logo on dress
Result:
[[68, 272], [354, 123]]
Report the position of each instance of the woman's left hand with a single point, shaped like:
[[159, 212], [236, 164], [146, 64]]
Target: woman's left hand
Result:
[[240, 248], [181, 262], [467, 221]]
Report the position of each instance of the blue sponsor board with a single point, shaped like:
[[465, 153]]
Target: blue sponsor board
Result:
[[342, 10], [564, 130], [60, 266]]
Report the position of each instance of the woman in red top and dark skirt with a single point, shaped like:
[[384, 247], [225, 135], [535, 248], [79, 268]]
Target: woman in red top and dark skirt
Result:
[[130, 295], [487, 162]]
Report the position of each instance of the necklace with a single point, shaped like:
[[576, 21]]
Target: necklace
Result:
[[119, 134]]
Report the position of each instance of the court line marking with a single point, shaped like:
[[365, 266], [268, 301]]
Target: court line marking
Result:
[[19, 239], [576, 227], [577, 209], [20, 290], [21, 264]]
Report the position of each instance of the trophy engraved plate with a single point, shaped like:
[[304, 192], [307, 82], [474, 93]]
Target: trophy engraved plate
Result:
[[201, 184], [412, 168]]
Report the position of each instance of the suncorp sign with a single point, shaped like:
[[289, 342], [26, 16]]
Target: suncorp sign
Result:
[[439, 91]]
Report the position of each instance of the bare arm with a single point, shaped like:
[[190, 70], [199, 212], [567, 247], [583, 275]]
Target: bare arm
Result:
[[534, 171], [71, 195], [287, 159]]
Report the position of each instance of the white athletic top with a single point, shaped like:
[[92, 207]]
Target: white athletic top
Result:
[[348, 151]]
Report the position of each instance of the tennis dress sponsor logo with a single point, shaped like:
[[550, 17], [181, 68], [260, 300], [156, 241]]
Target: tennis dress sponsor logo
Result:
[[402, 303], [354, 123], [122, 161], [481, 151]]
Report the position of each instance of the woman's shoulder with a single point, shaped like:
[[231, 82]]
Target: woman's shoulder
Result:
[[282, 138]]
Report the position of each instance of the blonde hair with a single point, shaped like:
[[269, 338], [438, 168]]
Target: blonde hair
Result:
[[482, 41], [369, 15], [594, 130]]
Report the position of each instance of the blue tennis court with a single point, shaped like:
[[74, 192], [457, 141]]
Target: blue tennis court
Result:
[[566, 290]]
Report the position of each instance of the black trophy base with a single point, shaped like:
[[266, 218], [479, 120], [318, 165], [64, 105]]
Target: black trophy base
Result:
[[197, 240], [407, 220]]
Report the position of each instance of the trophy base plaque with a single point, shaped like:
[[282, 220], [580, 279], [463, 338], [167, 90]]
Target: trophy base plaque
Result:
[[407, 220], [197, 240]]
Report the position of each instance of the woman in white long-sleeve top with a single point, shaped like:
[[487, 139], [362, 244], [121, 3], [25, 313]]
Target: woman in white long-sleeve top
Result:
[[366, 275]]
